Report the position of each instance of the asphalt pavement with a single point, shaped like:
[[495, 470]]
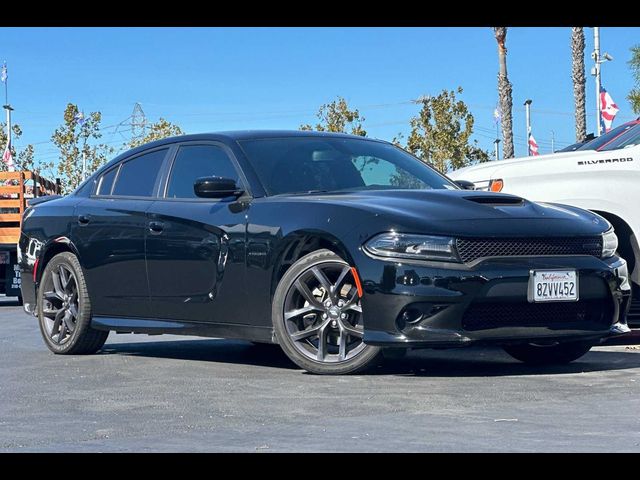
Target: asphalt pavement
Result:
[[174, 393]]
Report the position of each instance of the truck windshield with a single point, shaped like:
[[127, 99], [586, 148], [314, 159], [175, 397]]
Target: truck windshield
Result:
[[629, 138], [602, 140]]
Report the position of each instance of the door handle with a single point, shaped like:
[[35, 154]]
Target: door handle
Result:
[[84, 219], [156, 227]]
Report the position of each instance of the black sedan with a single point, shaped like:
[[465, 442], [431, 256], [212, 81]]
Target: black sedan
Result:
[[335, 247]]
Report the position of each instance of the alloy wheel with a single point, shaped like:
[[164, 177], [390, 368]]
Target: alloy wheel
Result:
[[60, 308], [323, 314]]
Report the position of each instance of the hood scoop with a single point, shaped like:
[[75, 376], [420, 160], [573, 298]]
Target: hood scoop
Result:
[[496, 200]]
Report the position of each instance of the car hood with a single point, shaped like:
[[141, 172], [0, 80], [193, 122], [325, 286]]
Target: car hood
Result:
[[486, 170], [461, 213]]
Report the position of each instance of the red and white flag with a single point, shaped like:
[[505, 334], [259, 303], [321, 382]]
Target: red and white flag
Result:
[[7, 157], [533, 146], [608, 109]]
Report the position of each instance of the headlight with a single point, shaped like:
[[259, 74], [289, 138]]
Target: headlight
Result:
[[419, 247], [609, 243]]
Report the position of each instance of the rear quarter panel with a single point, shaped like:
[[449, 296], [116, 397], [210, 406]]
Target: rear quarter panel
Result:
[[44, 226]]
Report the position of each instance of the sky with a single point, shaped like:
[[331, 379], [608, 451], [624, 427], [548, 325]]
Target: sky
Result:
[[211, 79]]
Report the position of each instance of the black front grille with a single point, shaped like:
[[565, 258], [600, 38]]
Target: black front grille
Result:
[[471, 249], [587, 315]]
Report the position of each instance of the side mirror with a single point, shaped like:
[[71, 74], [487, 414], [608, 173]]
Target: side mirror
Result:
[[465, 184], [216, 187]]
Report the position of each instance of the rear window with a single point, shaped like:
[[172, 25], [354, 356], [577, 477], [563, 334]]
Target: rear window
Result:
[[137, 177], [106, 182]]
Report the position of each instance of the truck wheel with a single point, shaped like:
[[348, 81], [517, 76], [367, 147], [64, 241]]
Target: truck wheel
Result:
[[548, 355], [64, 309]]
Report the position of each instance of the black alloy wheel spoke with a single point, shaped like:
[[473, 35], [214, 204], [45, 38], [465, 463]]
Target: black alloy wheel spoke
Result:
[[307, 295], [324, 283], [351, 330], [301, 311], [323, 337], [343, 275], [64, 278]]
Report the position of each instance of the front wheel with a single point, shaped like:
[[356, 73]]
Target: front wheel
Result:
[[557, 354], [317, 316], [64, 308]]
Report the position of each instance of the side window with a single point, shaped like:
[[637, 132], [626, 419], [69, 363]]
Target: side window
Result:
[[106, 182], [137, 177], [194, 161]]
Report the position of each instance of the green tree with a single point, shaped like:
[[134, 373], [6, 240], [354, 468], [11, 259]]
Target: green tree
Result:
[[634, 64], [579, 80], [156, 131], [337, 116], [23, 158], [504, 93], [440, 133], [74, 138]]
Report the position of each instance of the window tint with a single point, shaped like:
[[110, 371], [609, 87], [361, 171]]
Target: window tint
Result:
[[137, 177], [194, 161], [106, 182]]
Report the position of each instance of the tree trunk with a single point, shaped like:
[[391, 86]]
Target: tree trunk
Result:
[[504, 93], [579, 80]]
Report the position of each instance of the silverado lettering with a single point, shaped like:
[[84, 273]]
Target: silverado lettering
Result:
[[606, 160]]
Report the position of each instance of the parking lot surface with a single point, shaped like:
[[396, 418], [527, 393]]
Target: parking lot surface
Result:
[[169, 393]]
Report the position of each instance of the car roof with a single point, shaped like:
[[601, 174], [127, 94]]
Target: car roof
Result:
[[238, 135], [229, 136]]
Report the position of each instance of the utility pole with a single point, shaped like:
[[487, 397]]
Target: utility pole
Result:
[[7, 107], [596, 57], [497, 150], [553, 142], [527, 106], [596, 72]]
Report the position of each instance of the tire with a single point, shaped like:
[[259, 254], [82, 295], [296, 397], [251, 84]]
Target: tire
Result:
[[548, 355], [64, 309], [340, 330]]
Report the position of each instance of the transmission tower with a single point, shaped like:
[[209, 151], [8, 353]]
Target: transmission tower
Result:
[[138, 123]]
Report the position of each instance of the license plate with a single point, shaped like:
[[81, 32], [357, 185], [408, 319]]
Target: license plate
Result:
[[553, 286]]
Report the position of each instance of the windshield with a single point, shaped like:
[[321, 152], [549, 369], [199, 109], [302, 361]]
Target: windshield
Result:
[[628, 139], [326, 164], [596, 143]]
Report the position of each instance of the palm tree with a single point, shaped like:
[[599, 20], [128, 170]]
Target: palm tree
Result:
[[579, 80], [504, 93]]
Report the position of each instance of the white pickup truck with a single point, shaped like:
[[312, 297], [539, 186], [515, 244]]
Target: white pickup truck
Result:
[[603, 178]]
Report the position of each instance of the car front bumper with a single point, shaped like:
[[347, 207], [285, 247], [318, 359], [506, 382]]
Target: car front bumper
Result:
[[420, 304]]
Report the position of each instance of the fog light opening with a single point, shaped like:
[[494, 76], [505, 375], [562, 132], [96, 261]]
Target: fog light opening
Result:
[[408, 317]]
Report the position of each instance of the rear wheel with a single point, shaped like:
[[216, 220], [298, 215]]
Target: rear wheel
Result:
[[557, 354], [64, 308], [317, 316]]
